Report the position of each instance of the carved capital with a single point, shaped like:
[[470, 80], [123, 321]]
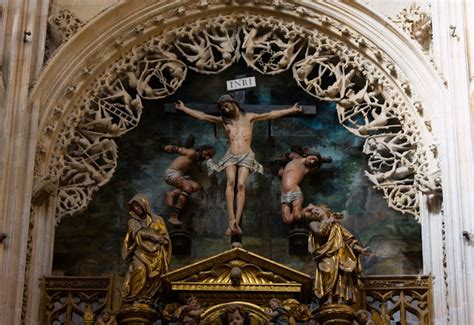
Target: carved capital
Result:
[[43, 188]]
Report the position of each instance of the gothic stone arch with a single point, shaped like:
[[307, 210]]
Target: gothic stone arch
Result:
[[84, 103]]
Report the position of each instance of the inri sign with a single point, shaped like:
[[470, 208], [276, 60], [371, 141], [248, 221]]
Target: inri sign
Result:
[[243, 83]]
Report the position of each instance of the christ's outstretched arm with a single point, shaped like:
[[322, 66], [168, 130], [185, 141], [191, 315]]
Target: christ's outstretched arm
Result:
[[296, 108], [197, 114]]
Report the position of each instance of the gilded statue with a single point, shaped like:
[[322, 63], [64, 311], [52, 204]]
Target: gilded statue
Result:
[[147, 249], [177, 175], [301, 162], [234, 315], [279, 315], [336, 253], [239, 160], [191, 313]]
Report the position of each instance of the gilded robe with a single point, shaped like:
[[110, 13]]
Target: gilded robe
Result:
[[338, 265], [147, 248]]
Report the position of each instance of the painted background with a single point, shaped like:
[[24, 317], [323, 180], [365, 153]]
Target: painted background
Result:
[[90, 244]]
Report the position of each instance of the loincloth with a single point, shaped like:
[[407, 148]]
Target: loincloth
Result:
[[244, 160], [289, 197], [173, 176]]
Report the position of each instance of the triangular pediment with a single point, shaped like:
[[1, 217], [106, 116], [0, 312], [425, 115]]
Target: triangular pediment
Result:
[[238, 274]]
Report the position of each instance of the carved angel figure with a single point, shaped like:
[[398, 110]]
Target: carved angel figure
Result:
[[107, 317], [147, 249], [336, 252], [279, 315], [234, 315], [191, 313]]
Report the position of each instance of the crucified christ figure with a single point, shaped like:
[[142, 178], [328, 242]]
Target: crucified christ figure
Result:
[[239, 159]]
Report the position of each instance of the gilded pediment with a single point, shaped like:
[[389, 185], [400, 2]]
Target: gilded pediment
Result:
[[238, 274]]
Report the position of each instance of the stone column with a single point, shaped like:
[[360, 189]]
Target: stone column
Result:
[[22, 43], [455, 134]]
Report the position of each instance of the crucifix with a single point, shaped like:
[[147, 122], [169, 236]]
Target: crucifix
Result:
[[239, 160]]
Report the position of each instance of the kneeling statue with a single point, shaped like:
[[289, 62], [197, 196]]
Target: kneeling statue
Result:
[[336, 253]]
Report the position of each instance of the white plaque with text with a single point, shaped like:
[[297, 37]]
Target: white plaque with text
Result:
[[242, 83]]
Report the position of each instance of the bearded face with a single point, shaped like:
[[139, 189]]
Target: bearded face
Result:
[[207, 154], [228, 109], [317, 212]]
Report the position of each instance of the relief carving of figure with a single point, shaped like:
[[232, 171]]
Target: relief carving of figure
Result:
[[191, 313], [239, 160], [106, 318], [279, 315], [300, 164], [147, 249], [177, 175], [234, 315], [336, 253], [362, 318]]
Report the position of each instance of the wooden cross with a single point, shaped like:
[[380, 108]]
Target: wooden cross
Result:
[[211, 108]]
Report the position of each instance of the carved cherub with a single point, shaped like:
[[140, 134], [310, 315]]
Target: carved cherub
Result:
[[252, 42], [362, 318], [379, 120], [234, 315], [279, 315], [398, 173], [225, 45], [107, 317], [191, 313]]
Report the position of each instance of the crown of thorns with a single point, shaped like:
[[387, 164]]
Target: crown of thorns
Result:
[[227, 98]]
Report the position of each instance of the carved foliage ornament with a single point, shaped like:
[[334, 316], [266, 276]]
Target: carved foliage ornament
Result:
[[236, 272], [417, 24], [401, 158], [62, 25]]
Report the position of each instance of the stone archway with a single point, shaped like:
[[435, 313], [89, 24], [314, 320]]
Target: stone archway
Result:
[[80, 99], [80, 156]]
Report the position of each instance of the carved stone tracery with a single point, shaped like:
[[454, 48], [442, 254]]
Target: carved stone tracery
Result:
[[401, 159]]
